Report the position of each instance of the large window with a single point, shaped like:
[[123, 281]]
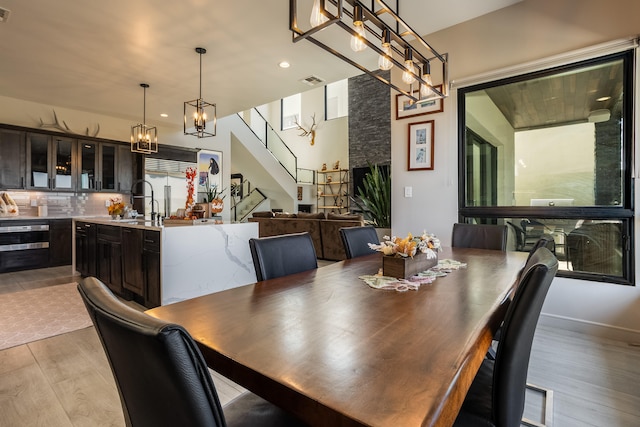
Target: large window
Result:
[[550, 153]]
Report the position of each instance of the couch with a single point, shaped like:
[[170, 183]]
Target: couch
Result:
[[324, 229]]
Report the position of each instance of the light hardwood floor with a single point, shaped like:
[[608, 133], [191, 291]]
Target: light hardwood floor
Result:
[[66, 380]]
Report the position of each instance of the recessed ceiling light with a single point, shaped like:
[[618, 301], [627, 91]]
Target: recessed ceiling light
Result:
[[164, 115], [284, 64], [603, 98]]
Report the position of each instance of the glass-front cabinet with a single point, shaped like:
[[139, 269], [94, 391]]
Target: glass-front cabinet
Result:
[[50, 163], [88, 157], [104, 167]]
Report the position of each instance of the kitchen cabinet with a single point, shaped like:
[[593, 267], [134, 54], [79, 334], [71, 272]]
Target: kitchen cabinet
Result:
[[132, 246], [104, 167], [151, 263], [60, 245], [50, 162], [109, 257], [12, 159], [86, 235]]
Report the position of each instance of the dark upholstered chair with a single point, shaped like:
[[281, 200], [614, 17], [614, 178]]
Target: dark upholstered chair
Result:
[[356, 240], [279, 256], [160, 373], [480, 236], [497, 394]]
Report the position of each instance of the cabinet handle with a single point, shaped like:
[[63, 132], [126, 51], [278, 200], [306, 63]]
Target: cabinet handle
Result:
[[21, 182], [149, 241]]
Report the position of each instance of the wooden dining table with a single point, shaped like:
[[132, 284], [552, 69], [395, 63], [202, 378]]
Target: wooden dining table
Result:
[[334, 351]]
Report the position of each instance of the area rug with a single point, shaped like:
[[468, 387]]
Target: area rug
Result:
[[35, 314]]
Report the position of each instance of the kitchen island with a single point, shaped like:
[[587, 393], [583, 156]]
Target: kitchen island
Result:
[[162, 264]]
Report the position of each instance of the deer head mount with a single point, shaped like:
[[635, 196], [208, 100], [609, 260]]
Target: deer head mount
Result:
[[311, 133]]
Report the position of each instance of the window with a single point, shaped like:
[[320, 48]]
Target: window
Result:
[[336, 100], [290, 111], [550, 152]]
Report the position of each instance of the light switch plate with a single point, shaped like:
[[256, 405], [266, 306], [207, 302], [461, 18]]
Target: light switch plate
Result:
[[408, 191]]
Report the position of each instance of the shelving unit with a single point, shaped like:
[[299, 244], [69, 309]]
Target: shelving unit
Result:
[[333, 191]]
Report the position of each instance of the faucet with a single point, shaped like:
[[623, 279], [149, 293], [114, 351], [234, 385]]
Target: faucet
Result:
[[153, 200]]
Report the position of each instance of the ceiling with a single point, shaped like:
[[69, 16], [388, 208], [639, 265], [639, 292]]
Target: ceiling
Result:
[[92, 56]]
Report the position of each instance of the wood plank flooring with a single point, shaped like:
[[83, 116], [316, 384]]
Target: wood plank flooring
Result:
[[66, 380]]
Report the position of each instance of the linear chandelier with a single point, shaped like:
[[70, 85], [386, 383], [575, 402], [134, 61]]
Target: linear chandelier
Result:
[[380, 28], [199, 115], [144, 139]]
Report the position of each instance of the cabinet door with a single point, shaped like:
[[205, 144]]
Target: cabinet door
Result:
[[64, 175], [125, 169], [133, 278], [12, 159], [38, 164], [88, 166], [107, 167], [59, 242], [152, 278]]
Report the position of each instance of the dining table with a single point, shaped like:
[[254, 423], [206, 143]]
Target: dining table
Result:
[[334, 351]]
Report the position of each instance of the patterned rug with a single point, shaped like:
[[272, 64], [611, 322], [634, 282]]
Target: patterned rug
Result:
[[40, 313]]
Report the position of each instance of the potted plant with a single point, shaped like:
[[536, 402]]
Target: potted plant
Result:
[[374, 199], [213, 197]]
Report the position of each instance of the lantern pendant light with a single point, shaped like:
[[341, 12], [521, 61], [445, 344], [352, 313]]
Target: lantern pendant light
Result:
[[199, 115], [144, 139]]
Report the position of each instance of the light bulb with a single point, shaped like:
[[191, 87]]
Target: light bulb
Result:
[[407, 75], [317, 18], [358, 42], [425, 91], [385, 63]]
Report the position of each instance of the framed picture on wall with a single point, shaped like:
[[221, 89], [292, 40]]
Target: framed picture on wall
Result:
[[421, 145], [209, 166], [406, 107]]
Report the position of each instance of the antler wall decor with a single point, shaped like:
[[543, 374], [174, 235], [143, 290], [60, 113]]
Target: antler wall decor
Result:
[[65, 128], [311, 133]]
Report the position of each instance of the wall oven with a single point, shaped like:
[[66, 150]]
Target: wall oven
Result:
[[23, 245]]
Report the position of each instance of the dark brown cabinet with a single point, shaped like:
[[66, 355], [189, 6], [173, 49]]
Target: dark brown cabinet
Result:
[[109, 257], [12, 159], [86, 235], [132, 245], [60, 245], [104, 167], [151, 263], [51, 162]]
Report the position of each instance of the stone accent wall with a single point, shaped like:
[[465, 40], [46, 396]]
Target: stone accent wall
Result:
[[369, 122]]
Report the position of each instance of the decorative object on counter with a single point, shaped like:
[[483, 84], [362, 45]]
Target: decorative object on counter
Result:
[[213, 197], [190, 174], [374, 200], [200, 112], [8, 206], [144, 139], [406, 257], [116, 208], [65, 128], [311, 133]]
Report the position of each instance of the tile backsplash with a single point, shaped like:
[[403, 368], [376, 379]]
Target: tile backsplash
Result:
[[63, 204]]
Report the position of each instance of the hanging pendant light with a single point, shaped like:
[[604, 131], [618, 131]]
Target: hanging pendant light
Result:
[[199, 115], [385, 63], [407, 75], [357, 41], [425, 89], [144, 139]]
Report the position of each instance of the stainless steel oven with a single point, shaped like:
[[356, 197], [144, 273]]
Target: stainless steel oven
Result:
[[23, 245]]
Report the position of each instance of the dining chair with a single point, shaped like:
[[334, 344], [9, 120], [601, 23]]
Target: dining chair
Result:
[[278, 256], [479, 236], [496, 396], [160, 373], [356, 240]]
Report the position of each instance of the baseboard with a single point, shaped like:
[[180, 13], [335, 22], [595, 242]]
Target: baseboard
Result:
[[617, 333]]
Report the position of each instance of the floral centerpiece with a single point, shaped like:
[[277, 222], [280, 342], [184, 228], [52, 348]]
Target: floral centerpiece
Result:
[[116, 207], [190, 174], [405, 257]]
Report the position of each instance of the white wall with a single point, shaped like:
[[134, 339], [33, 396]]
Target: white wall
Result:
[[528, 31]]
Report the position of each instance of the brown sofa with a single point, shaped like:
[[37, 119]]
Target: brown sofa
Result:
[[324, 229]]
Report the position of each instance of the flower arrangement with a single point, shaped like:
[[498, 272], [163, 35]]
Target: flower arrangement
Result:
[[116, 207], [190, 174], [401, 248]]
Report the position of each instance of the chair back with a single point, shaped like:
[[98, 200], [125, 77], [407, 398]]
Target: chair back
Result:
[[514, 348], [479, 236], [160, 373], [545, 241], [356, 240], [278, 256]]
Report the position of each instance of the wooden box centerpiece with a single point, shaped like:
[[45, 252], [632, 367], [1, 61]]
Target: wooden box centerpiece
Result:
[[405, 267]]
